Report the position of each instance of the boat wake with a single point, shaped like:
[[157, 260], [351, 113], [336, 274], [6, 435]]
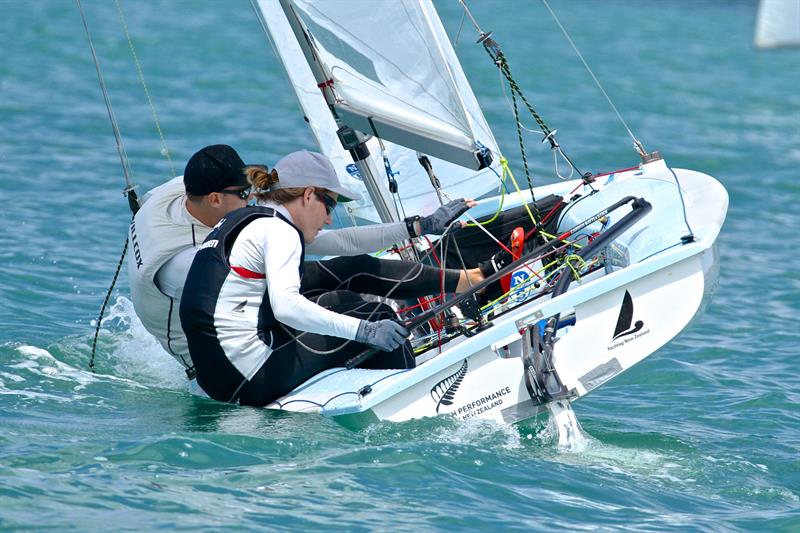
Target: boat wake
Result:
[[35, 376], [126, 354], [130, 351], [561, 433], [566, 426]]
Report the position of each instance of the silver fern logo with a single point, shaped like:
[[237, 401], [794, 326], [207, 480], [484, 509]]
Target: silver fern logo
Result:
[[444, 392]]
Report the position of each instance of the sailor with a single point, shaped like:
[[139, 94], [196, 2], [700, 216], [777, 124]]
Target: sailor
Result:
[[259, 320], [171, 224], [176, 217]]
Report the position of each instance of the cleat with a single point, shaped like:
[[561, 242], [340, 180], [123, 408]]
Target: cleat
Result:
[[517, 243]]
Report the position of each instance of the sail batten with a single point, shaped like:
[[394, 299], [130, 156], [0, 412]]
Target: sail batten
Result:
[[391, 73]]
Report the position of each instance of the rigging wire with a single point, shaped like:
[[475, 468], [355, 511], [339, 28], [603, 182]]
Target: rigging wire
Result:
[[690, 237], [556, 151], [164, 149], [636, 143], [129, 190], [493, 49]]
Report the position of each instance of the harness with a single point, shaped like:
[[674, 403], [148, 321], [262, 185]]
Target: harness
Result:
[[206, 284]]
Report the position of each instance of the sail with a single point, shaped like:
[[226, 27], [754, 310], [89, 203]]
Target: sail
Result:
[[450, 111], [778, 23]]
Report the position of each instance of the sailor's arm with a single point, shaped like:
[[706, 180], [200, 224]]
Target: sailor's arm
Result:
[[367, 239], [293, 309], [171, 277], [281, 260]]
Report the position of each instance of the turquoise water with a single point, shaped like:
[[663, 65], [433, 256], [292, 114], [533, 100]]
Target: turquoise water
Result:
[[703, 435]]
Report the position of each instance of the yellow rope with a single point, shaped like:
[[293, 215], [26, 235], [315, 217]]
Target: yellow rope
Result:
[[530, 280], [581, 263], [504, 167], [164, 149], [507, 169]]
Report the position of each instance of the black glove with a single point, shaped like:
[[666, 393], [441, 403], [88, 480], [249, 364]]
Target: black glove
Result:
[[436, 223], [383, 335], [495, 263]]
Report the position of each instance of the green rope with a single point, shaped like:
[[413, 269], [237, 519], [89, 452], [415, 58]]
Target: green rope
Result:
[[506, 70], [502, 64], [499, 59], [581, 264]]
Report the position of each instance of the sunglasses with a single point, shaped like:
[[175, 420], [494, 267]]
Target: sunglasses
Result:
[[243, 193], [330, 203]]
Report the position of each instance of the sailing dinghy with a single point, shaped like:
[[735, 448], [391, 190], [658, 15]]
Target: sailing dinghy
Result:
[[611, 266]]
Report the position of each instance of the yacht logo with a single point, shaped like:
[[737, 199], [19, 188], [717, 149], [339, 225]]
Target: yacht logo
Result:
[[444, 392], [239, 307], [625, 318], [352, 169]]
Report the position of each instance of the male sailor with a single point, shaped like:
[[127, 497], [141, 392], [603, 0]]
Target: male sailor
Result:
[[173, 221], [255, 330], [176, 217]]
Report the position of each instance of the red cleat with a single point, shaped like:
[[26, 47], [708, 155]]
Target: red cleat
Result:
[[517, 242]]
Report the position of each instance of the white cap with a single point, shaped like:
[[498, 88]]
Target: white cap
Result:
[[310, 169]]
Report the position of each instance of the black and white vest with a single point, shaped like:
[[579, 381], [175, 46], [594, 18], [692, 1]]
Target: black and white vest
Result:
[[225, 311]]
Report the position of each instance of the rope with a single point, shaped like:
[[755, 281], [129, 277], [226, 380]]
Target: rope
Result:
[[690, 237], [531, 280], [533, 215], [568, 260], [105, 303], [636, 143], [123, 156], [549, 135], [521, 142], [164, 149]]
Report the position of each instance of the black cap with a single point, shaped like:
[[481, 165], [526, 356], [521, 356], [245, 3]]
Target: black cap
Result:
[[212, 169]]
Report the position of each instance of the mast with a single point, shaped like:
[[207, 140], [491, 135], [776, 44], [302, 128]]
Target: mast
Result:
[[384, 81], [354, 141]]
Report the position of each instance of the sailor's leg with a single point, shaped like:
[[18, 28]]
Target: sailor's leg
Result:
[[380, 277], [298, 356], [349, 303]]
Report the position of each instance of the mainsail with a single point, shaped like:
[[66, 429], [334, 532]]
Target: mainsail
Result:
[[391, 73], [778, 23]]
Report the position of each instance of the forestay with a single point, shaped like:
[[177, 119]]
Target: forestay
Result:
[[393, 73]]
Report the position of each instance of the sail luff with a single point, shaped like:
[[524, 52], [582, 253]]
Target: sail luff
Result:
[[388, 81], [472, 110], [304, 75], [416, 195], [438, 32]]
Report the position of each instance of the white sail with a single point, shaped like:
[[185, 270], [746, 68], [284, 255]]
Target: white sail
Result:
[[778, 23], [453, 109]]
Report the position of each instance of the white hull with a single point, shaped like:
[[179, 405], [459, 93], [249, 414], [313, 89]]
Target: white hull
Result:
[[483, 375]]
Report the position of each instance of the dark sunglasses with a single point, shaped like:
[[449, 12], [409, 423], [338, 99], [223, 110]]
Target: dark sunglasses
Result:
[[330, 203], [243, 193]]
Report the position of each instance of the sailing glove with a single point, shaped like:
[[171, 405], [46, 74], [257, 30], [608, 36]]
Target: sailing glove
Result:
[[384, 335], [436, 223], [495, 263]]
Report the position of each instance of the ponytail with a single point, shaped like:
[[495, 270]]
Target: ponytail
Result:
[[264, 179]]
